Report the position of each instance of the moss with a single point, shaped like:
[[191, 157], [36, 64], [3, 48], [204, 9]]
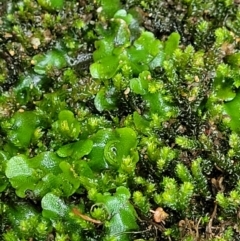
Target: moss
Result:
[[110, 110]]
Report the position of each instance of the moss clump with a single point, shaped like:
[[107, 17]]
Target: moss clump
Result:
[[119, 120]]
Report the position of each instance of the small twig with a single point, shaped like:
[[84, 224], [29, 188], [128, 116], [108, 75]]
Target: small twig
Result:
[[85, 217], [209, 226], [197, 226]]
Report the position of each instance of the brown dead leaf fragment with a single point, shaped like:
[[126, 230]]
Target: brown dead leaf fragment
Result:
[[159, 215], [85, 217]]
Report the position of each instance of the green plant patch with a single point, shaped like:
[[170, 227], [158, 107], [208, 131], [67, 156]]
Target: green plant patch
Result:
[[53, 207], [3, 178], [51, 4], [110, 147], [223, 83], [234, 59], [171, 44], [22, 177], [76, 150], [109, 8], [44, 173], [141, 123], [22, 127], [139, 85], [67, 125], [106, 99], [121, 146], [19, 216], [30, 87], [44, 63], [123, 214], [232, 109], [119, 120], [145, 52]]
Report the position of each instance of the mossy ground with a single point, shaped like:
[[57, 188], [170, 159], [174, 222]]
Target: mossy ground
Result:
[[113, 110]]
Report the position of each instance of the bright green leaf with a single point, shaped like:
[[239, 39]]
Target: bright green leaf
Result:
[[47, 162], [110, 7], [171, 44], [67, 125], [223, 88], [122, 146], [157, 104], [53, 207], [51, 4], [48, 183], [143, 52], [123, 213], [97, 161], [76, 150], [23, 127], [233, 110], [106, 99], [105, 68], [18, 166], [20, 174], [52, 59], [122, 33], [234, 59], [140, 122], [139, 86]]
